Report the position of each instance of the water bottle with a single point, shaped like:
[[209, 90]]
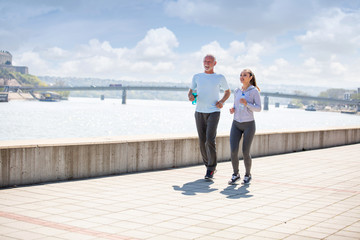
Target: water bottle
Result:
[[195, 96], [241, 106]]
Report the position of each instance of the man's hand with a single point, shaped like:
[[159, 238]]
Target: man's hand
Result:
[[190, 95], [219, 104]]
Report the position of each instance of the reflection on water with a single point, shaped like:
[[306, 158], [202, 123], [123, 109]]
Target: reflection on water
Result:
[[90, 117]]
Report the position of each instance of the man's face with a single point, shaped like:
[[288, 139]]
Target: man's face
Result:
[[209, 64]]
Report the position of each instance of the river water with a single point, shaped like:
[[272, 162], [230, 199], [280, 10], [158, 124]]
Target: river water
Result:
[[91, 117]]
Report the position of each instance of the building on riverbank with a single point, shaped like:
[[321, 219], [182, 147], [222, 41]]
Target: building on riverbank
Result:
[[6, 63]]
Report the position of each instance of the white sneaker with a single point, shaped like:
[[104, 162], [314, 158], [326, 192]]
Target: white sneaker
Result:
[[234, 179], [247, 179]]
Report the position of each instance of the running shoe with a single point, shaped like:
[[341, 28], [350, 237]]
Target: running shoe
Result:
[[234, 179], [247, 179], [210, 174]]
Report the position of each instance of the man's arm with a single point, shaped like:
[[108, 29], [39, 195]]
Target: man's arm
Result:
[[221, 102], [190, 96]]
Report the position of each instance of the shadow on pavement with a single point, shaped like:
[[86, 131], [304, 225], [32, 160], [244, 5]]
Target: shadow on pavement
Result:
[[233, 193], [198, 186]]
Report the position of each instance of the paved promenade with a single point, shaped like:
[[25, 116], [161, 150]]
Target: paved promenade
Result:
[[304, 195]]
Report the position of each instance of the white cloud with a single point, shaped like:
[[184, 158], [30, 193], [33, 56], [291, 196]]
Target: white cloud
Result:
[[97, 48], [32, 59], [284, 42], [259, 19], [330, 49], [334, 32], [312, 66], [158, 43], [337, 68], [68, 68], [281, 62], [254, 52], [55, 53], [237, 47], [324, 28], [151, 56], [100, 59]]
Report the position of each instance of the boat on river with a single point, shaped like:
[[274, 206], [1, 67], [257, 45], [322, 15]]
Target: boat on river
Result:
[[4, 97], [348, 111], [49, 97], [310, 108], [290, 105]]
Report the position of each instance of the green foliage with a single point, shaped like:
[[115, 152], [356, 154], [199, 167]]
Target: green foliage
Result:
[[23, 79], [6, 74], [333, 93], [300, 102], [61, 83], [355, 96]]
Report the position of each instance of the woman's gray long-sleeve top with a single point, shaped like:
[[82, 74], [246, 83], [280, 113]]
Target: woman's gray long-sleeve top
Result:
[[252, 97]]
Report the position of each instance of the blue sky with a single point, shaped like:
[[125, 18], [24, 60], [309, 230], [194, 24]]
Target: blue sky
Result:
[[308, 42]]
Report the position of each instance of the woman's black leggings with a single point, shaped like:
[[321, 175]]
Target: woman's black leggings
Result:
[[237, 130]]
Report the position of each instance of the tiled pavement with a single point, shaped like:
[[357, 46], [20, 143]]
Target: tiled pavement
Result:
[[304, 195]]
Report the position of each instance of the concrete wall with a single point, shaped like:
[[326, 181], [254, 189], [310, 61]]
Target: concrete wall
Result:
[[41, 161]]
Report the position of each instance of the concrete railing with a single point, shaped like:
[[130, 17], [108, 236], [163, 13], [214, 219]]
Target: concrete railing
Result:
[[41, 161]]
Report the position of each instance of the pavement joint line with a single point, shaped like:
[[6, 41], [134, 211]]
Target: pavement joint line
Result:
[[325, 207], [306, 186], [315, 210], [64, 227]]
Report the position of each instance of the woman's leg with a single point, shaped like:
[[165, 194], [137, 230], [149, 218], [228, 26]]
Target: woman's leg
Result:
[[249, 132], [235, 137]]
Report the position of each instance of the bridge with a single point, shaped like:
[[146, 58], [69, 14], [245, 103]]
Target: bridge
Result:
[[124, 89], [304, 97]]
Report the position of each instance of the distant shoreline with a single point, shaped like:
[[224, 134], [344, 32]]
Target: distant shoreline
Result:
[[27, 96]]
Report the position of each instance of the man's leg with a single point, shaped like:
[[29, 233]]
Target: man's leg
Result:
[[200, 119], [210, 144]]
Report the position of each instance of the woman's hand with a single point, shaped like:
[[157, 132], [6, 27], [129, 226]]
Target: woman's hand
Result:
[[243, 101], [232, 110]]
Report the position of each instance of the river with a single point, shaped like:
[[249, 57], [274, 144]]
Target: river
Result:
[[91, 117]]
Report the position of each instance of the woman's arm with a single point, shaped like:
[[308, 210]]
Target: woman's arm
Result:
[[256, 106]]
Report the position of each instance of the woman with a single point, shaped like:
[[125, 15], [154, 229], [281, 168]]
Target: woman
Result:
[[246, 101]]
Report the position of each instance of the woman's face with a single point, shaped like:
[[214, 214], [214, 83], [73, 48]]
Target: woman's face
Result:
[[245, 78]]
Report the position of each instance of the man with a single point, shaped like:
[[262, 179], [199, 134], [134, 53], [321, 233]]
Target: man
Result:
[[207, 114]]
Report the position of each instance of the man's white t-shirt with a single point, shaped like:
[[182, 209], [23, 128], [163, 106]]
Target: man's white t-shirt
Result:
[[207, 87]]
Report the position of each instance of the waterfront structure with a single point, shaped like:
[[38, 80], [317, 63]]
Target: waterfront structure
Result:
[[44, 161], [4, 97], [124, 89], [6, 63]]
